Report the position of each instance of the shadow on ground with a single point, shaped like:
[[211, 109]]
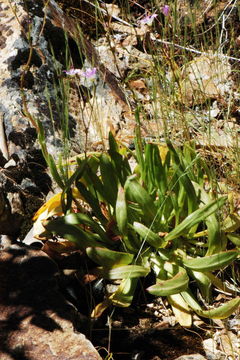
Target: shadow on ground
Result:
[[36, 322]]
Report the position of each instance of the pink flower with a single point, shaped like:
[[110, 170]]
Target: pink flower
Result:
[[165, 10], [148, 20], [90, 73], [72, 72]]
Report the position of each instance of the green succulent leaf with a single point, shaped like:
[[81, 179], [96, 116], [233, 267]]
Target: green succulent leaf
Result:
[[120, 162], [183, 178], [234, 238], [121, 211], [175, 285], [190, 300], [108, 258], [84, 219], [92, 201], [113, 146], [155, 175], [123, 272], [203, 282], [125, 292], [136, 193], [195, 218], [54, 171], [216, 242], [222, 312], [148, 235], [180, 309], [109, 179], [72, 233], [212, 262]]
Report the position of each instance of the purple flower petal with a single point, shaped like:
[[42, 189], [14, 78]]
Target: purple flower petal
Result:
[[72, 72], [148, 20], [165, 10], [90, 73]]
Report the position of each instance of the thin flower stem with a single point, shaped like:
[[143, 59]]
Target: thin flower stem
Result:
[[168, 42]]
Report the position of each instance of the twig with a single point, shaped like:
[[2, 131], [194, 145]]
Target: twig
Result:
[[194, 50]]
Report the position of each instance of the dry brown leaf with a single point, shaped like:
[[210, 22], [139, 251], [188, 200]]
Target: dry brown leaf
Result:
[[138, 85], [55, 249], [237, 41], [112, 9]]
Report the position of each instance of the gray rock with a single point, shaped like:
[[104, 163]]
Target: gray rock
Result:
[[23, 180]]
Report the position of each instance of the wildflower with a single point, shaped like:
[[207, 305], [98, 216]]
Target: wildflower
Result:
[[165, 10], [90, 73], [148, 20], [72, 72]]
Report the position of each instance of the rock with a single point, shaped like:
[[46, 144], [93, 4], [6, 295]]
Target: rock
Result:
[[36, 322], [18, 141], [211, 351], [5, 241], [191, 357], [229, 343], [206, 77]]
